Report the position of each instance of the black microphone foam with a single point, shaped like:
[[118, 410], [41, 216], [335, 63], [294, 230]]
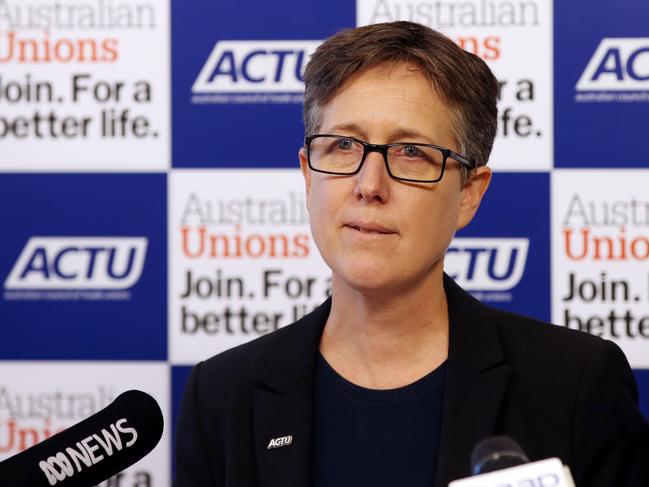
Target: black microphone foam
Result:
[[91, 451], [496, 453]]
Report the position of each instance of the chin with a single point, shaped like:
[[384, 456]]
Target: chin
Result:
[[370, 278], [382, 275]]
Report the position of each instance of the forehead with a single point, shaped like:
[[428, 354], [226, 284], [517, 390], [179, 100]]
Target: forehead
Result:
[[386, 101]]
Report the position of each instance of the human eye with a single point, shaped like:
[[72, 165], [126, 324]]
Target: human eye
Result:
[[412, 151], [336, 145], [344, 144]]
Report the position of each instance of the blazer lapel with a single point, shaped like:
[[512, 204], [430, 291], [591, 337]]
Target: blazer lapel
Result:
[[283, 435], [476, 380], [282, 402]]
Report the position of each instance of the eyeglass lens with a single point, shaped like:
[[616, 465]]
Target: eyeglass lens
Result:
[[343, 155]]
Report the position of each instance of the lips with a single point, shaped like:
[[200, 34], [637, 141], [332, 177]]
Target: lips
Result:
[[369, 228]]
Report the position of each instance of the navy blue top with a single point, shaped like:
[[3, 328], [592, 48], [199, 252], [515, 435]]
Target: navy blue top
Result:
[[368, 437]]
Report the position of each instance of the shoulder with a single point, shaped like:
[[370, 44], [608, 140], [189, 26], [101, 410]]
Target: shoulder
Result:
[[581, 368], [585, 383], [527, 345], [558, 355], [235, 367], [522, 336], [236, 370]]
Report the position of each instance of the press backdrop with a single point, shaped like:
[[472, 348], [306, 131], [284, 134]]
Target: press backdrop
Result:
[[153, 213]]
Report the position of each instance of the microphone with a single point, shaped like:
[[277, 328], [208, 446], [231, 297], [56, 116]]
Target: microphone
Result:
[[496, 453], [500, 461], [93, 450]]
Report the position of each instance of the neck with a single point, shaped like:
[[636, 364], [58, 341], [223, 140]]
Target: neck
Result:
[[390, 339]]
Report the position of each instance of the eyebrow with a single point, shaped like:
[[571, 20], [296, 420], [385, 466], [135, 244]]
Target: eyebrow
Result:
[[398, 135], [348, 127]]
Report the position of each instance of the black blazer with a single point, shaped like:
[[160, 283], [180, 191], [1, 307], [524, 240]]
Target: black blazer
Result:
[[556, 391]]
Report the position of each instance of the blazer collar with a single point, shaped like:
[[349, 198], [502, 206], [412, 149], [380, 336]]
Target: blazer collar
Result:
[[474, 345], [476, 378], [291, 352], [282, 400]]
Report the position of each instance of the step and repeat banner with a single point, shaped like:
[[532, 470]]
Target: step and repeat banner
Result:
[[154, 213]]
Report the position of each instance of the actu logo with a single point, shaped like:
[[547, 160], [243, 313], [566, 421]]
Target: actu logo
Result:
[[618, 64], [255, 67], [78, 263], [280, 442], [487, 264]]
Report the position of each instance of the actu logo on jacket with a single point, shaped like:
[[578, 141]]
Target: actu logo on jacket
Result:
[[279, 442]]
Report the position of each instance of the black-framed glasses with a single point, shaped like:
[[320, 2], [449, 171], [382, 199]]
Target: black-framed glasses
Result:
[[405, 161]]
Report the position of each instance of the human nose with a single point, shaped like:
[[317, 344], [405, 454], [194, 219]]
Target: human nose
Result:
[[373, 180]]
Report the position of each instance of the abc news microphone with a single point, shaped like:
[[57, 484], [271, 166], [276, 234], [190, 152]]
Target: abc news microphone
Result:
[[500, 462], [90, 451]]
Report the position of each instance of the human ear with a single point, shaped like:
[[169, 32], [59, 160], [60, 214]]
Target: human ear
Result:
[[306, 173], [473, 191]]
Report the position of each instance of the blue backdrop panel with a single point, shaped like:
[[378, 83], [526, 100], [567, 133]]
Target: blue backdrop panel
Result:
[[517, 206], [89, 205], [227, 132], [240, 135], [599, 134], [642, 376]]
